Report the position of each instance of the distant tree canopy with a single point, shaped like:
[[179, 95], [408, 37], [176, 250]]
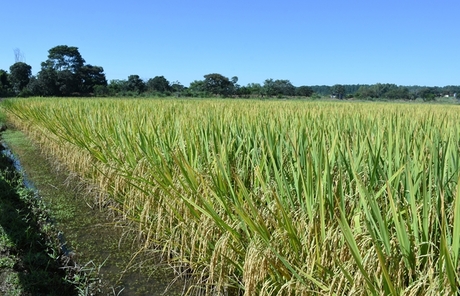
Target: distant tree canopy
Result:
[[4, 84], [428, 93], [64, 58], [135, 84], [304, 91], [158, 84], [214, 84], [20, 74], [278, 87], [65, 73], [379, 91], [218, 84], [339, 91], [91, 78]]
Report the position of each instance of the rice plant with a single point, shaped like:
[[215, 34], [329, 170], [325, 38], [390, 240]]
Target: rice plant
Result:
[[273, 198]]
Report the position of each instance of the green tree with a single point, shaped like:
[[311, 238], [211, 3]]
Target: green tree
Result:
[[197, 89], [366, 92], [255, 89], [65, 73], [324, 90], [380, 89], [428, 93], [278, 87], [159, 84], [101, 90], [34, 86], [68, 83], [218, 84], [135, 84], [4, 83], [244, 91], [20, 74], [284, 87], [451, 90], [304, 91], [268, 88], [398, 93], [177, 88], [117, 87], [63, 57], [46, 83], [236, 86], [338, 90], [92, 77]]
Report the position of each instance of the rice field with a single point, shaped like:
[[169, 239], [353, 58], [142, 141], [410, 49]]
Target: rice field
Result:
[[273, 198]]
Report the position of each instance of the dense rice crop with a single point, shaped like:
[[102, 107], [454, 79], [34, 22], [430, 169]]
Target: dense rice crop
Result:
[[286, 198]]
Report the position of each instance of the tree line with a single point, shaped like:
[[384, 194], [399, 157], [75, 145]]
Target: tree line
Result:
[[66, 73], [380, 91]]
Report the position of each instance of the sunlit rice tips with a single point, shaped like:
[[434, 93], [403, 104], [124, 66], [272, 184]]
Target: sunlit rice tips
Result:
[[274, 198]]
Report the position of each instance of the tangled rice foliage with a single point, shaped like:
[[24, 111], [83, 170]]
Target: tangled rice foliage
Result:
[[273, 198]]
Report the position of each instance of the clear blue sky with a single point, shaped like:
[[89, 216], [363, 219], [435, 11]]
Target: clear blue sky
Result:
[[405, 42]]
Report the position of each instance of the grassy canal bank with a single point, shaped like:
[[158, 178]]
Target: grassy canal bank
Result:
[[97, 258], [30, 263]]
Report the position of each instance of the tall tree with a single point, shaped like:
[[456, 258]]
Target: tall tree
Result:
[[338, 90], [66, 63], [159, 84], [255, 89], [304, 91], [20, 74], [236, 86], [324, 90], [177, 88], [117, 87], [218, 84], [269, 87], [278, 87], [428, 93], [63, 57], [4, 83], [135, 84], [398, 93], [47, 82], [65, 73], [68, 83], [35, 86], [197, 89], [244, 91], [284, 87], [91, 76], [365, 92]]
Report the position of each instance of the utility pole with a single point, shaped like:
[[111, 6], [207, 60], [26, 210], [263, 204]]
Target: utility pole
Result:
[[18, 56]]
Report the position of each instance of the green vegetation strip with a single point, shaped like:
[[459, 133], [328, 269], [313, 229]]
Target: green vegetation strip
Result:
[[285, 198], [100, 245], [30, 261]]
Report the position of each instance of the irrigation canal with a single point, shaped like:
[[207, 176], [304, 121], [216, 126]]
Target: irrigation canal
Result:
[[92, 235]]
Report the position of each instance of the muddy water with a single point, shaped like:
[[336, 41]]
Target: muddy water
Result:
[[91, 234]]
